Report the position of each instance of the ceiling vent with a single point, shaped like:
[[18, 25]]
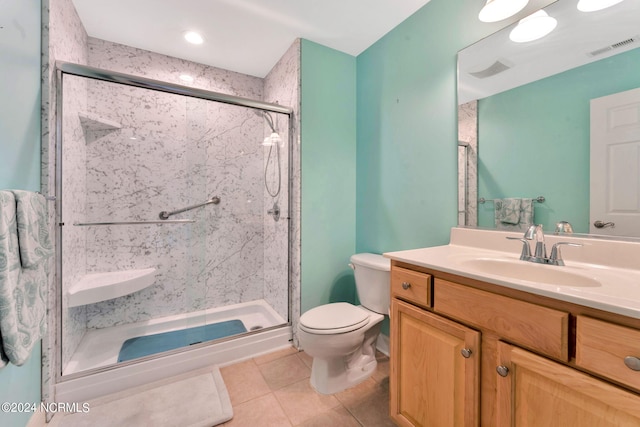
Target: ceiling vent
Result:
[[623, 43], [492, 70]]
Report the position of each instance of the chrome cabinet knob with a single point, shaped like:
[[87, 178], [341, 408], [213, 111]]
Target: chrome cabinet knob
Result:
[[466, 353], [503, 371], [632, 363], [406, 285]]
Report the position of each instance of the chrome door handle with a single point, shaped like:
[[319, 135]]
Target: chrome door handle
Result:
[[602, 224]]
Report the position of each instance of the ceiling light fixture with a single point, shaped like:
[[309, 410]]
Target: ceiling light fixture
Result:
[[593, 5], [193, 37], [497, 10], [533, 27]]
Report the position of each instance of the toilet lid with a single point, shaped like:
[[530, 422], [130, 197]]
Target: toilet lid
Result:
[[337, 317]]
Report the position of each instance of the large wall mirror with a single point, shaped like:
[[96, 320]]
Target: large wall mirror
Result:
[[524, 112]]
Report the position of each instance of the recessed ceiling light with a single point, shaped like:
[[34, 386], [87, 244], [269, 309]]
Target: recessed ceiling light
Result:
[[186, 78], [193, 37]]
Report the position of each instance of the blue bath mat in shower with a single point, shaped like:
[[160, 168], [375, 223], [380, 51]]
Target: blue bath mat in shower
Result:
[[157, 343]]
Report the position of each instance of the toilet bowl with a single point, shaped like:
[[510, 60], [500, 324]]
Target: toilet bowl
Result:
[[341, 337]]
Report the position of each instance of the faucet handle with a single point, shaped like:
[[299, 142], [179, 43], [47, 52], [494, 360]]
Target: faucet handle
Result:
[[526, 250], [556, 256], [530, 233]]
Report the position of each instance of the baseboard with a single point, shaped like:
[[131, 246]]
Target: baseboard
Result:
[[382, 344]]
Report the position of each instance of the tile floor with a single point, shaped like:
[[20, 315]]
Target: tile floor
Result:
[[274, 390], [269, 390]]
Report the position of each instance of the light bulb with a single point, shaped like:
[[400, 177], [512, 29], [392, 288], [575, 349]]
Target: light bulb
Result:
[[593, 5], [497, 10], [533, 27]]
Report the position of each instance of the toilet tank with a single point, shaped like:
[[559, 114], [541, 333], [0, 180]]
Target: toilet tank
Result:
[[372, 281]]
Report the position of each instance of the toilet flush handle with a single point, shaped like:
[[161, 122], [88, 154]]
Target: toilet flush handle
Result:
[[353, 267]]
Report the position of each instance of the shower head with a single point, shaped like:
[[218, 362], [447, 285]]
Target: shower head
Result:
[[267, 117]]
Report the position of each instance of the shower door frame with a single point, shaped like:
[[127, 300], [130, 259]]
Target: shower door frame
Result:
[[63, 68]]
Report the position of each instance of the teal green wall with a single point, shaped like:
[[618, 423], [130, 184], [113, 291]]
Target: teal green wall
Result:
[[328, 134], [20, 94], [407, 128], [20, 157], [546, 124]]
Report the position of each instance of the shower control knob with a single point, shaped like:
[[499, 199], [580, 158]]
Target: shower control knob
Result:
[[406, 285]]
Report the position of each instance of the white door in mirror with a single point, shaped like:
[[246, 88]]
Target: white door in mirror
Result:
[[615, 164]]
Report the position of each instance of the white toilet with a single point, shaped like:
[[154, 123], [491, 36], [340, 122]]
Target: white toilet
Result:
[[341, 337]]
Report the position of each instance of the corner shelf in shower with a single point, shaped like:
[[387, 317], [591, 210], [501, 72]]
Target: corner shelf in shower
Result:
[[97, 287], [93, 122]]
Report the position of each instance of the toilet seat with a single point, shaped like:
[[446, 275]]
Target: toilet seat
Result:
[[335, 318]]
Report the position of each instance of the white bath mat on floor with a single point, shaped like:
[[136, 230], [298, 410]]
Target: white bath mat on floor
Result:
[[196, 400]]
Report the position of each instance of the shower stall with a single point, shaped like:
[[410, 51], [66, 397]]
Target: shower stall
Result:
[[172, 206]]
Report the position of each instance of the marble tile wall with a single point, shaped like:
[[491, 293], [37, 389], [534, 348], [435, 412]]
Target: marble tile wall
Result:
[[282, 86], [185, 151], [63, 39], [74, 183]]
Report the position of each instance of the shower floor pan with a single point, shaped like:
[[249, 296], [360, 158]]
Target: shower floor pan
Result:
[[101, 347]]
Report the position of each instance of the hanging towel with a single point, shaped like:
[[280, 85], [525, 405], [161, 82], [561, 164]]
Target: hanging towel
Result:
[[513, 214], [22, 284], [508, 210], [33, 233]]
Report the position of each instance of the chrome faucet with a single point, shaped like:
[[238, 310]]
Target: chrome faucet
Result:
[[534, 232], [540, 254]]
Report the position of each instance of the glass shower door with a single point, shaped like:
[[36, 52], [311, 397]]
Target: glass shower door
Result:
[[126, 273], [175, 213]]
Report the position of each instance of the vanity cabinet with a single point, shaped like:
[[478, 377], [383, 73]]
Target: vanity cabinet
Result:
[[534, 391], [479, 354], [435, 367]]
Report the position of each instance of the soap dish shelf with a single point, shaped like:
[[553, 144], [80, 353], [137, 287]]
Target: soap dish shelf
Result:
[[96, 287]]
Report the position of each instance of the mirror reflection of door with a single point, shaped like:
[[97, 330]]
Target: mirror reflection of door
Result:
[[615, 164]]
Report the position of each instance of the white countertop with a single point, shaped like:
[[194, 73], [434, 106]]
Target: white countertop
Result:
[[612, 284]]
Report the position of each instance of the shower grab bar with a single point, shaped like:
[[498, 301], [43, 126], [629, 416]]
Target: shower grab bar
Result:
[[165, 215], [173, 221]]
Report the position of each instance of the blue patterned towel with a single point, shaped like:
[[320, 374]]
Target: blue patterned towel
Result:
[[513, 214], [508, 210], [22, 290], [33, 233]]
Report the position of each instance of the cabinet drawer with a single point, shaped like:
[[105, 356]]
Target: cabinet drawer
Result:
[[538, 328], [601, 347], [411, 285]]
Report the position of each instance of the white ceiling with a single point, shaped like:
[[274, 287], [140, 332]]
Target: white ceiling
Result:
[[247, 36]]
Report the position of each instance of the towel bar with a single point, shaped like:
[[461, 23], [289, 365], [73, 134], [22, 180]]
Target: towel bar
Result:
[[539, 199]]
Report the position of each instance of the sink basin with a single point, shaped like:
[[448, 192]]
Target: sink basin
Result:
[[524, 270]]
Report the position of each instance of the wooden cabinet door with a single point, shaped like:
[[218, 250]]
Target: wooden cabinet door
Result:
[[432, 384], [537, 392]]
